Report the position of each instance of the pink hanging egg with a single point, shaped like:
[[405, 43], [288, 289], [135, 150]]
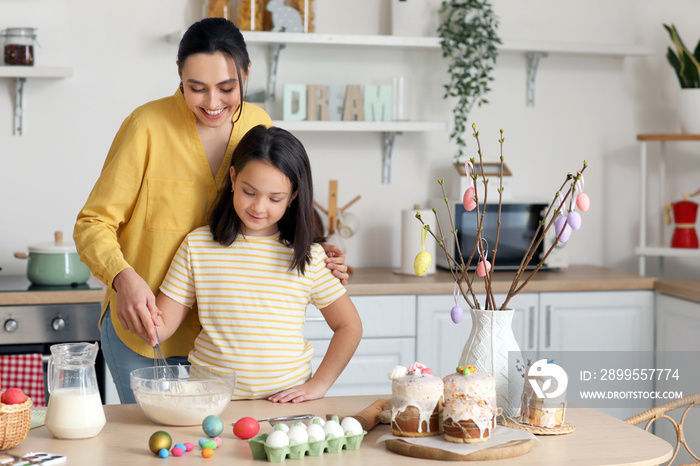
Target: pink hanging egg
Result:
[[583, 202], [456, 314], [482, 268], [566, 233], [468, 201], [574, 220]]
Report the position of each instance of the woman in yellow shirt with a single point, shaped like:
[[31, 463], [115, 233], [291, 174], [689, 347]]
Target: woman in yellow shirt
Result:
[[166, 167]]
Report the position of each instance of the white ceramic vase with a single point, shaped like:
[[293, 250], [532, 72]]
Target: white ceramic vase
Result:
[[689, 110], [492, 348]]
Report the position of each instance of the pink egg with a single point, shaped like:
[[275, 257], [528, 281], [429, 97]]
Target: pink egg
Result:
[[583, 202], [574, 220], [558, 226], [482, 268], [456, 314], [218, 441], [468, 201], [177, 451], [189, 446]]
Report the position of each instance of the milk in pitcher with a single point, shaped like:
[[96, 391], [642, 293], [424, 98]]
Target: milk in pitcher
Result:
[[74, 415]]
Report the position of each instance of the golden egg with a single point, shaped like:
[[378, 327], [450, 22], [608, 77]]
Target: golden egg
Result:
[[160, 440], [422, 263]]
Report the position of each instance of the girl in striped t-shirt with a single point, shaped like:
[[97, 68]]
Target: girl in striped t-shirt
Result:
[[253, 271]]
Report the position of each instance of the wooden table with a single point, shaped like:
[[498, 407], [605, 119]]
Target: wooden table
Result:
[[599, 440]]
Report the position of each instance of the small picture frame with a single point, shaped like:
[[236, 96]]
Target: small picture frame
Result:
[[490, 169]]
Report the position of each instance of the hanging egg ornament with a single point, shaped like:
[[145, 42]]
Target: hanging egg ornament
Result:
[[574, 219], [563, 232], [468, 201], [583, 202], [483, 267], [456, 314], [422, 263]]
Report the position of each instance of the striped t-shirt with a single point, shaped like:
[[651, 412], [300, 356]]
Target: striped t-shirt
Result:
[[251, 307]]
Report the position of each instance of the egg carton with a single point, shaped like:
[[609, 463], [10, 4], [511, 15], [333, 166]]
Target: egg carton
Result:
[[278, 454]]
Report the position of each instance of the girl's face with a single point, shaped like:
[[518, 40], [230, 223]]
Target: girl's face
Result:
[[211, 87], [261, 195]]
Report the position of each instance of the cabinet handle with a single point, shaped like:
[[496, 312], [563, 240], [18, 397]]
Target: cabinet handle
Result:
[[315, 319], [548, 329], [531, 329]]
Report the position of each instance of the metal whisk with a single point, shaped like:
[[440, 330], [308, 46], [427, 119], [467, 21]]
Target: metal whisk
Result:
[[158, 358]]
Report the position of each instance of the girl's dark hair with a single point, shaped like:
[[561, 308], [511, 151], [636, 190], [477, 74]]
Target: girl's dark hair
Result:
[[211, 35], [285, 152]]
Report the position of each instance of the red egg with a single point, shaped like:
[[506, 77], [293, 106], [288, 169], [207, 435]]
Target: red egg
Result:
[[13, 396], [246, 427]]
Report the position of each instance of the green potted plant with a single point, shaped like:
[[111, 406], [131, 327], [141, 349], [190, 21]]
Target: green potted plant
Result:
[[470, 41], [687, 67]]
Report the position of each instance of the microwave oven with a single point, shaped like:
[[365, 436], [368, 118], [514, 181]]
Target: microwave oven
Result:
[[519, 223]]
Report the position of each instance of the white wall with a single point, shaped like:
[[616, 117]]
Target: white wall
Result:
[[586, 108]]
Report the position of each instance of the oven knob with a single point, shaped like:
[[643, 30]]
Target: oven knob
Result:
[[58, 324], [10, 325]]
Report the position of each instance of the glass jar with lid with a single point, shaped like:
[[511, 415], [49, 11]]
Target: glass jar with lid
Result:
[[19, 45]]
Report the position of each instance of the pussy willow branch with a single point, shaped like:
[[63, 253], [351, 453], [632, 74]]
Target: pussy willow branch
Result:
[[515, 288], [498, 224], [480, 220]]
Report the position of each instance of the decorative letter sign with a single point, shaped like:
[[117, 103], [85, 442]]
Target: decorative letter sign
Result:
[[294, 103], [378, 103], [354, 108], [317, 103]]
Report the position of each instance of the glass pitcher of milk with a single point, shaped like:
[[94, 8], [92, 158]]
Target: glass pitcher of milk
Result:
[[75, 408]]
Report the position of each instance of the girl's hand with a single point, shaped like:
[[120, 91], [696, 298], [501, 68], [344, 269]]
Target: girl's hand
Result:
[[336, 262], [136, 305], [308, 391]]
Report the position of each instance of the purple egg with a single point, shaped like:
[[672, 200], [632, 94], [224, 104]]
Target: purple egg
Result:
[[558, 226], [456, 314], [574, 220]]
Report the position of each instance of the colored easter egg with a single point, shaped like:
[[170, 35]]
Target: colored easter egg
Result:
[[218, 441], [207, 453], [180, 445], [563, 232], [189, 446], [574, 220], [583, 202], [202, 441], [468, 200], [212, 425], [210, 444], [246, 427], [163, 453], [160, 440], [177, 451], [483, 268], [456, 314], [422, 263]]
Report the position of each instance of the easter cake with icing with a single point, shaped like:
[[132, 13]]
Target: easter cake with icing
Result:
[[416, 401], [469, 414]]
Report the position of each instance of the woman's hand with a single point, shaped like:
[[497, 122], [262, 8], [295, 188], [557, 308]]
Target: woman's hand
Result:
[[311, 390], [336, 262], [136, 305]]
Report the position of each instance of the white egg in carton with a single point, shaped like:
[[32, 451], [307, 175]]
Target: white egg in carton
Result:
[[313, 439]]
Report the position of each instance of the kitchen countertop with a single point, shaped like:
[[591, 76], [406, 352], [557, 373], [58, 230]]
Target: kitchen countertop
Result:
[[383, 281], [599, 439]]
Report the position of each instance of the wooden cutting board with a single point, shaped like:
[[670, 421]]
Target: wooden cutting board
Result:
[[506, 450]]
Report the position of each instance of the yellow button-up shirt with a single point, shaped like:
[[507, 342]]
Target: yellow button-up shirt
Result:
[[155, 187]]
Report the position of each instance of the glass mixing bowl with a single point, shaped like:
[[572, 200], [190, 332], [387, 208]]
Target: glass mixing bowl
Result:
[[181, 395]]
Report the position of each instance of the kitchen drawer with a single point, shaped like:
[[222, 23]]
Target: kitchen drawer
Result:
[[366, 373], [382, 316]]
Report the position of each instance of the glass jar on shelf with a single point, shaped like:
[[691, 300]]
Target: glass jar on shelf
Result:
[[19, 46], [216, 9]]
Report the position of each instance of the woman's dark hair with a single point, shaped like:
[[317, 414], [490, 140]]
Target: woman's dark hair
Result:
[[279, 148], [211, 35]]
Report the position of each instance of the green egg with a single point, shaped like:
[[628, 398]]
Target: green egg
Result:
[[160, 440]]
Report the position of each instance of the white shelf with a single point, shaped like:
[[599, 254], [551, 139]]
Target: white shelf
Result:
[[659, 251], [264, 37], [20, 75], [366, 126], [35, 71]]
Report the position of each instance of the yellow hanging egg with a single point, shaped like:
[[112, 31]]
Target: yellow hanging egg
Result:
[[422, 263]]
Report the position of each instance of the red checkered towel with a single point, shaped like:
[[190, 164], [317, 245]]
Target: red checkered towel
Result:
[[24, 371]]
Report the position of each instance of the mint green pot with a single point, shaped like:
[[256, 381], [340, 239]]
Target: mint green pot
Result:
[[55, 264]]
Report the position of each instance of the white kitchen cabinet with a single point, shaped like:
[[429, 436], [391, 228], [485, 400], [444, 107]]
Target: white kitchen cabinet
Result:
[[389, 339], [678, 347], [439, 341]]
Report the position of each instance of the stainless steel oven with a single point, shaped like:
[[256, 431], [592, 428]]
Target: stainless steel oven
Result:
[[33, 328]]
